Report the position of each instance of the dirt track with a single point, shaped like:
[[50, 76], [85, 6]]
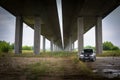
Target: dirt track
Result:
[[11, 67]]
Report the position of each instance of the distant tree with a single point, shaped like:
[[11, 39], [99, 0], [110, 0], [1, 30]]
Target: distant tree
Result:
[[12, 46], [115, 48], [109, 46], [89, 47], [27, 48]]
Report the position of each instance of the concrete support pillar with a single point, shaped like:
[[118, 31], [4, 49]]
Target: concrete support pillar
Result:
[[51, 44], [37, 32], [67, 48], [80, 26], [18, 35], [70, 44], [43, 44], [73, 46], [98, 30], [55, 47]]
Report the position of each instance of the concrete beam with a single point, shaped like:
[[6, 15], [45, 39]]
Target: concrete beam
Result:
[[18, 35], [98, 30], [44, 44], [37, 32], [80, 26]]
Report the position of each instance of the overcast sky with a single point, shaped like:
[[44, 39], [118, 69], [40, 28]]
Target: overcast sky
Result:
[[111, 30]]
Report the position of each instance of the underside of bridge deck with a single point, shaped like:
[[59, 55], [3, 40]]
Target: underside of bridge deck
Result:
[[46, 10]]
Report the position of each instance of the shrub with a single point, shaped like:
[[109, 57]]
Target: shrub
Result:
[[4, 46], [12, 46], [109, 46]]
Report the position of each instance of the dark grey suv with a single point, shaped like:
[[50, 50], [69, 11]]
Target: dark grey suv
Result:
[[87, 54]]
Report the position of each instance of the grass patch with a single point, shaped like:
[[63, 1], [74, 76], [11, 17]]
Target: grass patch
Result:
[[37, 70], [58, 54], [60, 68], [110, 54], [27, 53], [81, 66], [43, 69]]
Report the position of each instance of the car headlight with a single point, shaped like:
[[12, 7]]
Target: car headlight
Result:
[[92, 55], [81, 55]]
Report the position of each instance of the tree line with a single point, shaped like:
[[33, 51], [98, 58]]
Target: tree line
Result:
[[6, 47], [107, 45]]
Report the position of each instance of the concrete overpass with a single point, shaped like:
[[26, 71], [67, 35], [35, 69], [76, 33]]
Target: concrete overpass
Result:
[[81, 15], [41, 15], [78, 17]]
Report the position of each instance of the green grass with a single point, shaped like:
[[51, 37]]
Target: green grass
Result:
[[41, 69], [26, 53], [47, 68], [29, 53], [33, 71], [110, 54]]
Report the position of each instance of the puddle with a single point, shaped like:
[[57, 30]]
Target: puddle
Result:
[[109, 73], [109, 65]]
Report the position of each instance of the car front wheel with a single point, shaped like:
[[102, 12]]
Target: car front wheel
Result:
[[93, 60]]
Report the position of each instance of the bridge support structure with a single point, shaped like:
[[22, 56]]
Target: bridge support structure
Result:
[[98, 33], [37, 32], [70, 44], [18, 35], [44, 43], [51, 44], [80, 26]]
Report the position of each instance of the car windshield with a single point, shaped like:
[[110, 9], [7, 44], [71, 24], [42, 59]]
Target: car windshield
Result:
[[88, 51]]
